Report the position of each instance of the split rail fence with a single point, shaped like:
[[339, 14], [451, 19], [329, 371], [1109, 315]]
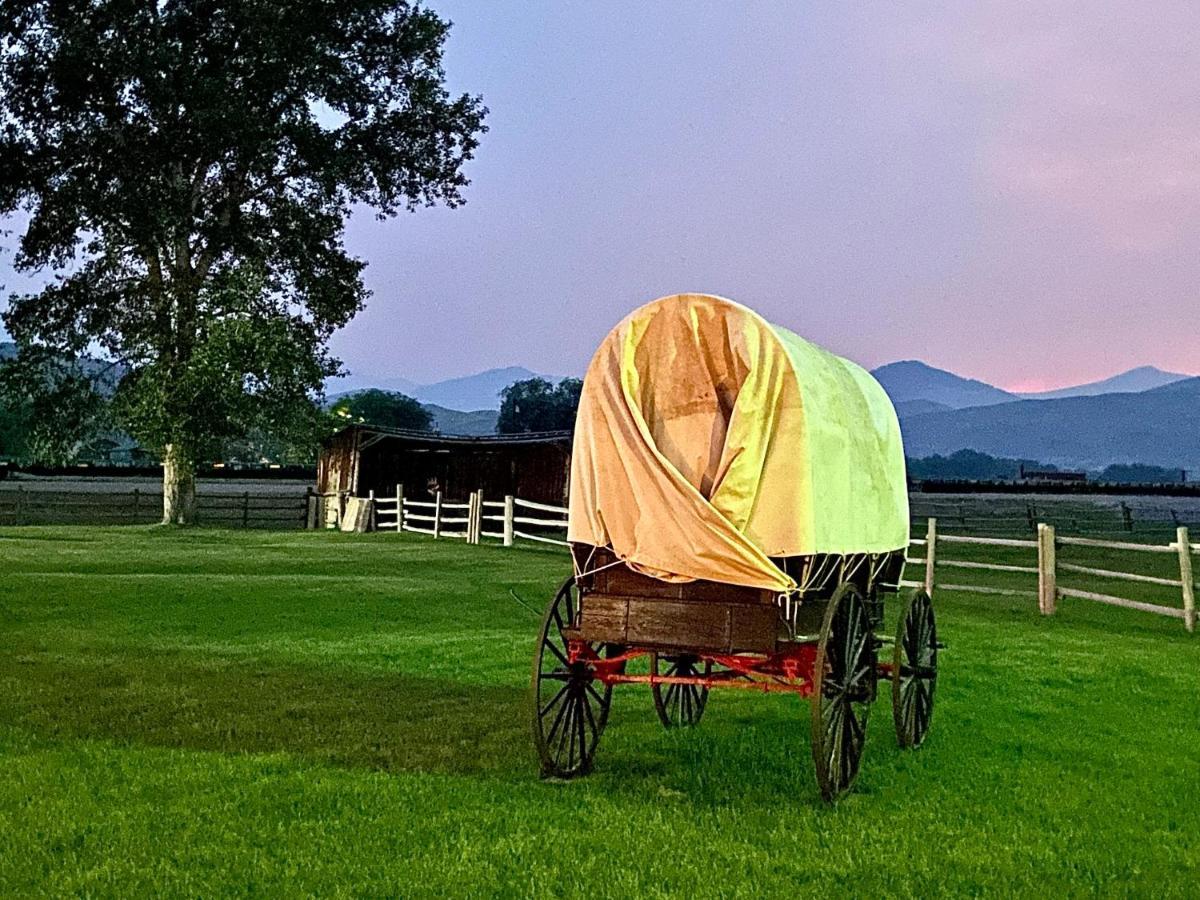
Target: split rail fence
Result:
[[504, 520], [243, 509], [513, 519], [1051, 572]]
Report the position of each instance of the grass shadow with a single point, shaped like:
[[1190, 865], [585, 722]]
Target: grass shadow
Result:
[[388, 723]]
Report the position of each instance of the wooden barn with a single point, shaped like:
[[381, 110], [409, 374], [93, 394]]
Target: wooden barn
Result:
[[360, 459]]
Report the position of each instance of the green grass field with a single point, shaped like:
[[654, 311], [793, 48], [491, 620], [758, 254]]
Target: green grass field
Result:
[[214, 712]]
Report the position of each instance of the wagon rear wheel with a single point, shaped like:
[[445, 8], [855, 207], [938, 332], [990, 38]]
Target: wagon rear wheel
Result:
[[570, 708], [680, 705], [843, 690], [914, 670]]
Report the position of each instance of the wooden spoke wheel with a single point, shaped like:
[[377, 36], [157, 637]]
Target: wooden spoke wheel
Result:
[[680, 705], [570, 708], [843, 689], [914, 670]]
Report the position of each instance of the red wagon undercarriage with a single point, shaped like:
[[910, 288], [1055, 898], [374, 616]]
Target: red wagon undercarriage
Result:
[[790, 669], [590, 638]]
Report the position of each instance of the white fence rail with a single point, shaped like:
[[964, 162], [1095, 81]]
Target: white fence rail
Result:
[[479, 517], [1049, 591]]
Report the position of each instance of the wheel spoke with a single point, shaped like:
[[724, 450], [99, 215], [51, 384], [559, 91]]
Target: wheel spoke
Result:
[[553, 700], [582, 730], [587, 708], [558, 653], [567, 724]]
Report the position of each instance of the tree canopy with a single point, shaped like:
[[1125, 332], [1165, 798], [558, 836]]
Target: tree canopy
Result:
[[185, 169], [387, 408], [537, 405]]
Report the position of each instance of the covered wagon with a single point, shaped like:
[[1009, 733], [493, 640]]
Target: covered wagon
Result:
[[738, 512]]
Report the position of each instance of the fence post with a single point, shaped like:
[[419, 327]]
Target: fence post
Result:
[[1047, 570], [1126, 516], [399, 508], [472, 499], [245, 509], [508, 520], [20, 506], [370, 510], [930, 553], [310, 512], [137, 496], [437, 515], [479, 516], [1185, 576]]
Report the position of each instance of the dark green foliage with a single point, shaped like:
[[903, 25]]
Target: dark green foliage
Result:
[[1135, 473], [187, 169], [970, 465], [537, 405], [390, 409], [50, 405]]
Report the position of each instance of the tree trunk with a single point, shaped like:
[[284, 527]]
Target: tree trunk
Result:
[[179, 486]]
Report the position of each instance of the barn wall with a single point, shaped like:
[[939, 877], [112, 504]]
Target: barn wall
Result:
[[536, 472]]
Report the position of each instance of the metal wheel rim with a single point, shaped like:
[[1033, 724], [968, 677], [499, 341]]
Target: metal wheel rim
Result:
[[569, 709], [680, 705], [914, 670], [841, 699]]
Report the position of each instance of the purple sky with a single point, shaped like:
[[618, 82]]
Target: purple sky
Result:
[[1007, 190]]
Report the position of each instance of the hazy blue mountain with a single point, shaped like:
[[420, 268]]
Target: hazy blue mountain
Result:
[[352, 383], [918, 407], [472, 392], [1156, 427], [453, 421], [469, 393], [1143, 378], [913, 380]]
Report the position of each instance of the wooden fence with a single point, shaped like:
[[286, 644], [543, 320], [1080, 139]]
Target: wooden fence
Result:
[[1055, 577], [138, 507], [1020, 516], [477, 518]]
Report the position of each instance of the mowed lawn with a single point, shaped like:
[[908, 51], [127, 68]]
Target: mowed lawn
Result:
[[216, 712]]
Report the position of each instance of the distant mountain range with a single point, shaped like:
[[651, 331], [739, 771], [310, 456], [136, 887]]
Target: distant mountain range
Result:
[[1144, 415], [480, 391], [910, 380], [1143, 378], [1159, 427], [913, 385]]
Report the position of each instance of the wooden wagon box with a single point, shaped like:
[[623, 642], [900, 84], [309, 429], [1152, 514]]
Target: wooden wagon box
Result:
[[621, 606]]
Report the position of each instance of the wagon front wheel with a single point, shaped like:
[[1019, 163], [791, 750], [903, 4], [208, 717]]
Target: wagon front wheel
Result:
[[844, 676], [914, 670], [570, 708], [680, 705]]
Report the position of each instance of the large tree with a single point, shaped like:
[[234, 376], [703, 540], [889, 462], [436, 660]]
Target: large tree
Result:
[[388, 408], [185, 169], [537, 405]]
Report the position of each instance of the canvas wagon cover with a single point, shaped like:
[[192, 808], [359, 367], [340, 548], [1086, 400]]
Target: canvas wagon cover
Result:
[[709, 441]]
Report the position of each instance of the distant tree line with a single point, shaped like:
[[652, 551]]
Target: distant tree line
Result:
[[971, 465]]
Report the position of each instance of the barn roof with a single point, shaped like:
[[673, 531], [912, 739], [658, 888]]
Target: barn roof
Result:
[[376, 433]]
